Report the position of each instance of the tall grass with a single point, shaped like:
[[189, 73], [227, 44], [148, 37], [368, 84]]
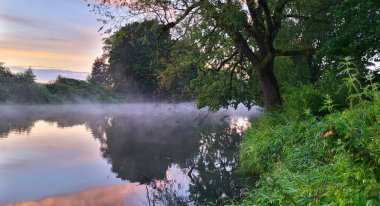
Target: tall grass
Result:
[[328, 155]]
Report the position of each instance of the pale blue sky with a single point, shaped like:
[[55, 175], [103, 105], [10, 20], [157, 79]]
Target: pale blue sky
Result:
[[49, 34]]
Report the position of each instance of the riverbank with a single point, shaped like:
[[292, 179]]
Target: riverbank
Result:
[[296, 158], [22, 89]]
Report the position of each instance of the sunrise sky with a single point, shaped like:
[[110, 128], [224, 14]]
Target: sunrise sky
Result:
[[48, 34]]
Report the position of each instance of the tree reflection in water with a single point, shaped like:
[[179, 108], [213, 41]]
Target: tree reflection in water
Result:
[[216, 164], [181, 159], [186, 163]]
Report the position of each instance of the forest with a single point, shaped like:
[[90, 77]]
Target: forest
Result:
[[313, 66]]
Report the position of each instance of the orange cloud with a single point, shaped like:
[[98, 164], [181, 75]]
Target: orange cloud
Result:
[[49, 59], [41, 54], [68, 46]]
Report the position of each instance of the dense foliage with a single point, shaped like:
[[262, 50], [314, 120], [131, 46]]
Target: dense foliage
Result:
[[247, 37], [142, 62], [302, 155], [136, 53]]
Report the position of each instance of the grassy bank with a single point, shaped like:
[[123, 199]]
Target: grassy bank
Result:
[[316, 151]]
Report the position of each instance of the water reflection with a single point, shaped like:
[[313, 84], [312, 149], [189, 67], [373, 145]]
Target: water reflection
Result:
[[172, 154], [209, 176]]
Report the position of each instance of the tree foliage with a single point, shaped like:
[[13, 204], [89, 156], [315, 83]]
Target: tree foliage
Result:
[[99, 73], [355, 31], [73, 90], [21, 87], [180, 70], [136, 54], [246, 36]]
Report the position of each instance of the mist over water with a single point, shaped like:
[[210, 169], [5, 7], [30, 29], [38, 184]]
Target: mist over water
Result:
[[144, 153]]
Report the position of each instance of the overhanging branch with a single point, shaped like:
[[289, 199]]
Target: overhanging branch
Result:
[[170, 25], [225, 61]]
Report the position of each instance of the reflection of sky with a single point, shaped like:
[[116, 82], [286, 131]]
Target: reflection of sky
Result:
[[50, 161], [122, 194], [125, 194], [55, 34]]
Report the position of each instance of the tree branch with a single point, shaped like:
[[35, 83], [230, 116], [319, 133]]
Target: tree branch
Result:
[[256, 29], [243, 48], [266, 60], [170, 25], [225, 61], [268, 17]]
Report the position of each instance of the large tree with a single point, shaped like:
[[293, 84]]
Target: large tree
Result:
[[136, 53], [241, 36]]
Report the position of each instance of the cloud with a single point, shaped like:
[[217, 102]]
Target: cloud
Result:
[[53, 34], [16, 19], [42, 54]]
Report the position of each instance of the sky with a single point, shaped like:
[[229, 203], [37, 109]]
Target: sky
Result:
[[55, 35]]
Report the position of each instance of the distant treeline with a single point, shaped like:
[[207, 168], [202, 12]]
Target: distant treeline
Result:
[[22, 88]]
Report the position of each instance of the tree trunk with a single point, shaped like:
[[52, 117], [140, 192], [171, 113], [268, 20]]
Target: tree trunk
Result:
[[269, 86]]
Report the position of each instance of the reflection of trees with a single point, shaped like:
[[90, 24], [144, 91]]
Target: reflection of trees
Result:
[[181, 161], [16, 119], [10, 124], [215, 166], [143, 151], [210, 176], [140, 150], [22, 118], [173, 190]]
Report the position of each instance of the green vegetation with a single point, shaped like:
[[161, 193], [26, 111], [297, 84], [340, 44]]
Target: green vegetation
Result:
[[135, 54], [72, 90], [248, 38], [318, 142], [21, 88], [327, 156], [140, 60]]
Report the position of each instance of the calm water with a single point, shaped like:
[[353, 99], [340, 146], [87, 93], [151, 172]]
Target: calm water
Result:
[[134, 154]]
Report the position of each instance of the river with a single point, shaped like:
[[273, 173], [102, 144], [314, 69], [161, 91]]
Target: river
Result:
[[122, 154]]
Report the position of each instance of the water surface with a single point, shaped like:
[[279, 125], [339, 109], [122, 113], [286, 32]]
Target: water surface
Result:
[[133, 154]]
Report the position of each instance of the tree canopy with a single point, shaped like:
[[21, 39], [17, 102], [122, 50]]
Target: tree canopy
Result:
[[135, 54], [244, 37]]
